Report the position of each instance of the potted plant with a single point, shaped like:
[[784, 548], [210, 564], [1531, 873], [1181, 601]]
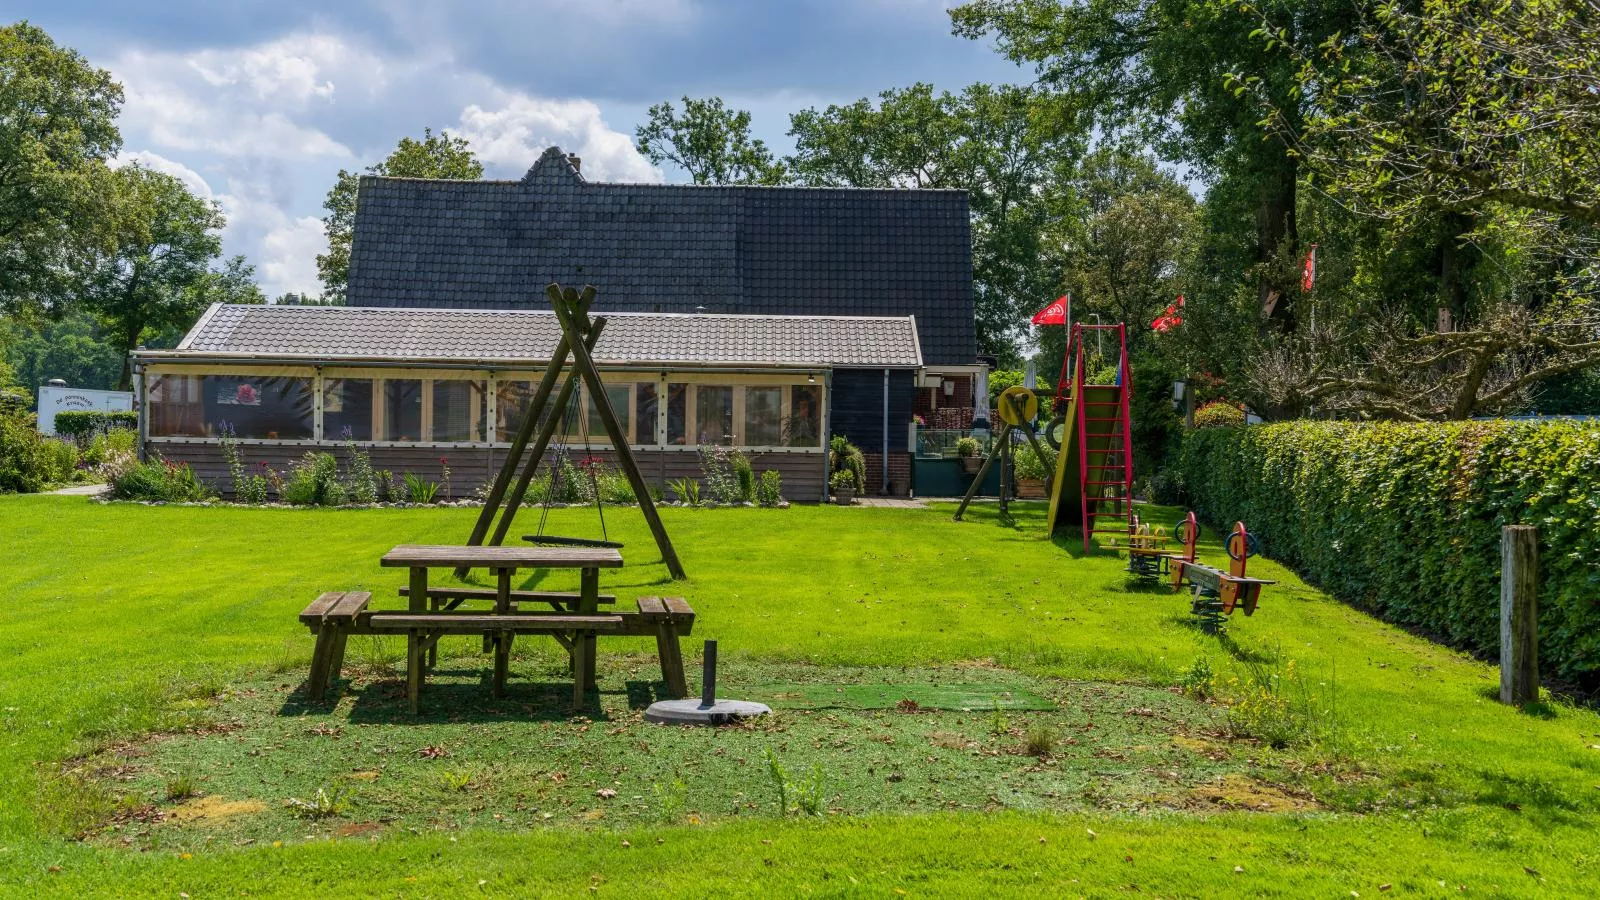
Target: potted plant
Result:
[[968, 449], [1032, 472], [843, 483]]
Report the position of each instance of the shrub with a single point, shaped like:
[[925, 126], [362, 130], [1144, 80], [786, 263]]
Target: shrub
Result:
[[717, 473], [419, 489], [1218, 414], [83, 424], [361, 486], [103, 446], [842, 480], [158, 480], [30, 461], [687, 489], [1404, 519], [314, 481], [968, 446], [844, 456], [769, 490], [14, 401], [1029, 466], [744, 477], [383, 482]]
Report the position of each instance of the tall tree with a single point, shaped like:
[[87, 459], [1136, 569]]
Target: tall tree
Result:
[[159, 276], [709, 141], [1475, 123], [441, 155], [1157, 69], [57, 129], [998, 143], [1124, 247]]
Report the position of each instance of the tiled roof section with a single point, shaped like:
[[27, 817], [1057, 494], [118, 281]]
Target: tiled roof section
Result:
[[451, 335], [670, 248]]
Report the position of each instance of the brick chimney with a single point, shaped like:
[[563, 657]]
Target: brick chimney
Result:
[[577, 162]]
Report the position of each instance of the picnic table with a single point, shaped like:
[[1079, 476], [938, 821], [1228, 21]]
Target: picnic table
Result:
[[574, 618], [434, 612]]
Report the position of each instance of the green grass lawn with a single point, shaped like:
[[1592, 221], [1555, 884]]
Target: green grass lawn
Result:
[[166, 638]]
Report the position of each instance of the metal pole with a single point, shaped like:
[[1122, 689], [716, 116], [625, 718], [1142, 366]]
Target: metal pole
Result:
[[708, 677]]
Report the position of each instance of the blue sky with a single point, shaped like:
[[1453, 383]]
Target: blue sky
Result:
[[258, 105]]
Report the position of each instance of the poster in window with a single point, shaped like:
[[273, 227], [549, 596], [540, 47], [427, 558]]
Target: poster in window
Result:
[[240, 394]]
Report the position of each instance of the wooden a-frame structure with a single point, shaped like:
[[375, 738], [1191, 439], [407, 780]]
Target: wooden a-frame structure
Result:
[[579, 334]]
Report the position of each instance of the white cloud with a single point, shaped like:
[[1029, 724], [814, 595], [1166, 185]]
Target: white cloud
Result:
[[158, 163], [244, 102], [271, 123], [510, 136], [282, 246]]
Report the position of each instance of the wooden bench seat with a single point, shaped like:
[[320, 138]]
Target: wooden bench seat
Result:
[[449, 622], [560, 599], [330, 617]]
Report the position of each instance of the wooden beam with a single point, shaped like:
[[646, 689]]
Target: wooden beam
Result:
[[546, 434], [977, 480], [572, 310], [508, 469]]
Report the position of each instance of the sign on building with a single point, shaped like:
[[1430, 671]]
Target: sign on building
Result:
[[53, 400]]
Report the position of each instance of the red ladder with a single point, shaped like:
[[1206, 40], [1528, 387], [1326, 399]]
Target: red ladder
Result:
[[1105, 448]]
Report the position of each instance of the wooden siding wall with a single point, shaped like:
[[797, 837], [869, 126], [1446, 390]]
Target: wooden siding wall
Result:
[[857, 407], [470, 467]]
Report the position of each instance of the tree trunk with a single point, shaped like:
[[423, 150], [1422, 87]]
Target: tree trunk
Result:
[[1276, 230], [130, 342], [1455, 263]]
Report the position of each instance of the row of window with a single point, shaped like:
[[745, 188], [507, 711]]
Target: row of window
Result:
[[414, 410]]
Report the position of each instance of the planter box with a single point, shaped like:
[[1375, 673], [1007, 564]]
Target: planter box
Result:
[[971, 464], [1030, 489]]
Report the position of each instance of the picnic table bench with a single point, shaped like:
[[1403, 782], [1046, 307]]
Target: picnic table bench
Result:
[[575, 618]]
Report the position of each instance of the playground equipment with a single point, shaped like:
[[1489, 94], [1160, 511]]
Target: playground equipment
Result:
[[1148, 556], [1215, 593], [1092, 432], [1018, 407], [579, 334]]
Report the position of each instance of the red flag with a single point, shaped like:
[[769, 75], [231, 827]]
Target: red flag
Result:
[[1054, 314], [1169, 319], [1308, 276]]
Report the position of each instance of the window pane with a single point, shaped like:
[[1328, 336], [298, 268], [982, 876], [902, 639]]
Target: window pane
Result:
[[804, 427], [511, 399], [174, 408], [620, 404], [259, 406], [459, 410], [644, 399], [402, 409], [677, 414], [763, 415], [347, 409], [713, 413]]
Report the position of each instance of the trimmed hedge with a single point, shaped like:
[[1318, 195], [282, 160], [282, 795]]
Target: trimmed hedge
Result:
[[1404, 519], [82, 424]]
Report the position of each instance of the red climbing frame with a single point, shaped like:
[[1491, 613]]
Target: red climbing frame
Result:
[[1103, 433]]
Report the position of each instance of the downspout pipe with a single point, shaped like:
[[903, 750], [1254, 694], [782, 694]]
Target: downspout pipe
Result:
[[886, 432]]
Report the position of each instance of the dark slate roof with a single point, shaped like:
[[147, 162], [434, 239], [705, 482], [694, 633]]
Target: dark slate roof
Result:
[[669, 248], [488, 336]]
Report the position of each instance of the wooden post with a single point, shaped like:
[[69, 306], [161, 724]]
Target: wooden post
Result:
[[977, 480], [1519, 614]]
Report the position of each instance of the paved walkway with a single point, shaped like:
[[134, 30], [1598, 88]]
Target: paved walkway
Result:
[[891, 502], [83, 490]]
